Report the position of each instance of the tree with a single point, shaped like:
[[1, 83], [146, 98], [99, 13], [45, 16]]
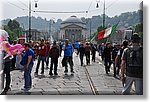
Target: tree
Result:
[[13, 28], [13, 24], [139, 29]]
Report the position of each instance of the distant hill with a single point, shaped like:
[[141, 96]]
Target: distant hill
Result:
[[126, 19]]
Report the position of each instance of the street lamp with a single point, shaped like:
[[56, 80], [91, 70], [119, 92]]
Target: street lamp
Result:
[[36, 3], [90, 29], [29, 36], [29, 20], [97, 6]]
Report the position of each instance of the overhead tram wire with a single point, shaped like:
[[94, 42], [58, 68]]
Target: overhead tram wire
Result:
[[23, 3], [16, 6], [111, 4], [27, 7], [22, 8], [89, 8], [101, 8], [61, 11]]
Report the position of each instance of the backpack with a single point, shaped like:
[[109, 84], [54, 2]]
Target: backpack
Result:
[[134, 62]]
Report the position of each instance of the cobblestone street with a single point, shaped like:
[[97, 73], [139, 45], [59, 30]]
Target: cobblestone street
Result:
[[87, 80]]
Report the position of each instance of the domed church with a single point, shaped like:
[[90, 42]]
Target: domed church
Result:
[[73, 29]]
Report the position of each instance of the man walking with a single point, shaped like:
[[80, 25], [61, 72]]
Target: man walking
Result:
[[87, 53], [47, 54], [118, 57], [54, 54], [41, 56], [28, 64], [133, 59], [81, 52], [93, 51], [107, 57], [68, 52]]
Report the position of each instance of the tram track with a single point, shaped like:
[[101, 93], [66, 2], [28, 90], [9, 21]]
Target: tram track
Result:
[[90, 82]]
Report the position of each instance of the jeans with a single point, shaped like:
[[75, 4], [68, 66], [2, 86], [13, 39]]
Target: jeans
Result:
[[107, 64], [55, 63], [47, 60], [138, 83], [81, 58], [114, 68], [93, 56], [87, 58], [40, 58], [27, 76], [70, 61]]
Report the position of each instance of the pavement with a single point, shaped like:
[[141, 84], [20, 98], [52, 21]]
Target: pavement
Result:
[[87, 80]]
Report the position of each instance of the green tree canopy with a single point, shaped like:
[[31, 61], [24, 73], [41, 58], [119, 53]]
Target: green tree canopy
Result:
[[13, 28], [139, 29]]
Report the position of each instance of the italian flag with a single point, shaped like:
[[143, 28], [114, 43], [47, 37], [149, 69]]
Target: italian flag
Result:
[[105, 33]]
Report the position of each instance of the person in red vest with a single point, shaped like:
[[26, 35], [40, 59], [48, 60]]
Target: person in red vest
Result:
[[42, 49], [47, 54]]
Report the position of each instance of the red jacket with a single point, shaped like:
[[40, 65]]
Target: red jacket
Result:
[[42, 50], [47, 49]]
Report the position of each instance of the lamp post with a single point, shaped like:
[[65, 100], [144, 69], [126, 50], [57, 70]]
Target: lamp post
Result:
[[90, 29], [97, 6], [29, 20], [49, 29], [104, 15], [29, 36]]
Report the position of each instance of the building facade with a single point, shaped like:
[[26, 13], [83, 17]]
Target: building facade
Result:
[[36, 35], [72, 29]]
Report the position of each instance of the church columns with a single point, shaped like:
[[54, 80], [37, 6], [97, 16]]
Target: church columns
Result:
[[73, 34]]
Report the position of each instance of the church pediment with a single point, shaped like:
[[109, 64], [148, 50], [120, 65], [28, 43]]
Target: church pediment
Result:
[[73, 26]]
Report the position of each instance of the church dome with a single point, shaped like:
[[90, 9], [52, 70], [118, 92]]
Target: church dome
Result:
[[73, 19]]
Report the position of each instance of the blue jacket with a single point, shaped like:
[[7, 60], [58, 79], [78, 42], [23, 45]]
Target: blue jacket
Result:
[[68, 50]]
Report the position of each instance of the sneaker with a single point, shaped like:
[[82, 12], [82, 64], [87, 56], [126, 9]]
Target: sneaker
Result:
[[47, 67], [7, 89], [35, 73], [25, 89], [42, 73], [56, 73], [50, 73], [66, 74], [66, 71], [72, 71]]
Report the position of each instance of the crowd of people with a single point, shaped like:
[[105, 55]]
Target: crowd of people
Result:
[[126, 59]]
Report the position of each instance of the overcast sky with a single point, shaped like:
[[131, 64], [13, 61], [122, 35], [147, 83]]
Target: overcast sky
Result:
[[17, 8]]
